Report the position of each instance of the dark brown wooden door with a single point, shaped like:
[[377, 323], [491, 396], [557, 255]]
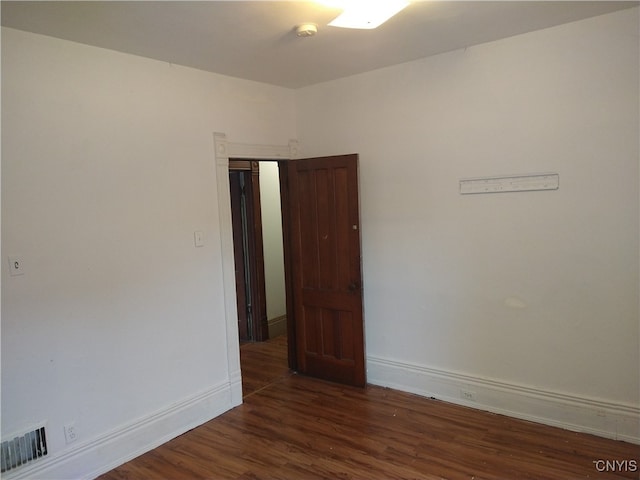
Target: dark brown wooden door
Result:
[[325, 268]]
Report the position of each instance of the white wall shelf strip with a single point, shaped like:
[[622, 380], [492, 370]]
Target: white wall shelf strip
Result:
[[515, 183]]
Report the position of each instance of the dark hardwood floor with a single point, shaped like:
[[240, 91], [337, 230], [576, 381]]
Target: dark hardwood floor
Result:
[[293, 427], [263, 363]]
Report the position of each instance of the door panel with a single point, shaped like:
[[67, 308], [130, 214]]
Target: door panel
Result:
[[326, 272]]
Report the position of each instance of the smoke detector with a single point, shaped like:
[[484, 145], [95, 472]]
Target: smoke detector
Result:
[[306, 30]]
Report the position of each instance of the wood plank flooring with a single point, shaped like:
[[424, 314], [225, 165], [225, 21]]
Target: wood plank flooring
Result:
[[263, 363], [293, 427]]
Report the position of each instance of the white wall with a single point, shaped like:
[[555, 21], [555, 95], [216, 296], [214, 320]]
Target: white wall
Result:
[[272, 239], [528, 300], [108, 168]]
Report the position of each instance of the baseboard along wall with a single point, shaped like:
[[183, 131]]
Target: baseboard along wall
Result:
[[605, 419], [100, 455], [93, 458]]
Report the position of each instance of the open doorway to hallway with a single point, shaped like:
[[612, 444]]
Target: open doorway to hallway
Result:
[[321, 260], [258, 249]]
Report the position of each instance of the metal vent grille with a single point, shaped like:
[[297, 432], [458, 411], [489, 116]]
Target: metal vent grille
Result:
[[23, 449]]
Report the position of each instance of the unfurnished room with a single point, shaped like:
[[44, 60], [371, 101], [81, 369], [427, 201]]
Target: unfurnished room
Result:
[[318, 239]]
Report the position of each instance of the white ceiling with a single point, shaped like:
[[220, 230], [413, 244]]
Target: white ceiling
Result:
[[255, 40]]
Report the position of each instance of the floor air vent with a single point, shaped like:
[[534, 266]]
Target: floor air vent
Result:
[[23, 449]]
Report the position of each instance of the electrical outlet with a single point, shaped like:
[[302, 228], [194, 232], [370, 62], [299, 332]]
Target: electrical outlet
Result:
[[468, 395], [16, 265], [70, 432]]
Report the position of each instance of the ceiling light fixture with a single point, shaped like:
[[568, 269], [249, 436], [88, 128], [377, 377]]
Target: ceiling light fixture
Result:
[[306, 30], [367, 14]]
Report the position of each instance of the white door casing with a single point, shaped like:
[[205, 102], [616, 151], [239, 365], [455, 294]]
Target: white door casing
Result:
[[224, 150]]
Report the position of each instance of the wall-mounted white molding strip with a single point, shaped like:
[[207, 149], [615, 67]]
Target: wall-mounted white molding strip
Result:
[[513, 183], [558, 409]]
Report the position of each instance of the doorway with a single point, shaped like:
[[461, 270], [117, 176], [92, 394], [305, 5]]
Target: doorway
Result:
[[323, 251], [244, 187], [322, 315], [258, 249]]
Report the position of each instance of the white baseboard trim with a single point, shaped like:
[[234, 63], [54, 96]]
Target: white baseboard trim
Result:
[[235, 383], [602, 418], [100, 455]]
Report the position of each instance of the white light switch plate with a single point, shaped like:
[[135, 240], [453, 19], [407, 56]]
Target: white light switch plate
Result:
[[198, 238]]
